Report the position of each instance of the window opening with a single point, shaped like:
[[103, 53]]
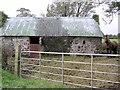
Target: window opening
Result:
[[83, 42]]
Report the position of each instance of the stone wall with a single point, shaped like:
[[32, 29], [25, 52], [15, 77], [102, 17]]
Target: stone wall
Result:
[[85, 45], [72, 44], [1, 41], [76, 44], [23, 41]]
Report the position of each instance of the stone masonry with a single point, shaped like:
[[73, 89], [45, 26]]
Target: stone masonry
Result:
[[85, 45]]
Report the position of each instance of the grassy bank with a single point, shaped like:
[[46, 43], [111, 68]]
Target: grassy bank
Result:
[[11, 81]]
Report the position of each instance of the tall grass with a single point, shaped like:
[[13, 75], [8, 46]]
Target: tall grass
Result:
[[12, 81]]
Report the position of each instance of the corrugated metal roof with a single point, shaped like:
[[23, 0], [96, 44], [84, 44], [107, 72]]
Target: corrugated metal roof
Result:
[[51, 26]]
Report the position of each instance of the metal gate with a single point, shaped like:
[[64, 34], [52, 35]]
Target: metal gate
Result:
[[76, 69]]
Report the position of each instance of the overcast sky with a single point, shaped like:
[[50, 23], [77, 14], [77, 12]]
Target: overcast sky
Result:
[[38, 7]]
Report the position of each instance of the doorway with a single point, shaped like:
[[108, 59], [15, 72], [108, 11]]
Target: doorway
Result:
[[35, 46]]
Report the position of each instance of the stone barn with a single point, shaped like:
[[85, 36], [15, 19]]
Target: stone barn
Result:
[[64, 34]]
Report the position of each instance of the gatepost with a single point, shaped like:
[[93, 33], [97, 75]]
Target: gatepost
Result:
[[17, 59]]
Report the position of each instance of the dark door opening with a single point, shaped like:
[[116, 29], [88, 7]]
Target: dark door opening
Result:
[[34, 40], [34, 46]]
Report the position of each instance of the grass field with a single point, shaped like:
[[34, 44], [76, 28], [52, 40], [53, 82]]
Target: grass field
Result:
[[11, 81], [117, 40]]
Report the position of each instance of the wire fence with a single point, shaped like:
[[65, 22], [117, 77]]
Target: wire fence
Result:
[[76, 69]]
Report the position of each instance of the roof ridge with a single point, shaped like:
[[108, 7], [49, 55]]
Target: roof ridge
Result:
[[49, 17]]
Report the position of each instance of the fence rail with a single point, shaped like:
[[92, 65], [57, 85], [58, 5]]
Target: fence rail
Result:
[[63, 68], [84, 54]]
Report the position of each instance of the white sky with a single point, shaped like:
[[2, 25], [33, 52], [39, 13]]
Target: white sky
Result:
[[38, 7], [107, 28]]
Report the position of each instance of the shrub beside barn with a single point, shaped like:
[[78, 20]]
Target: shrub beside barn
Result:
[[60, 34]]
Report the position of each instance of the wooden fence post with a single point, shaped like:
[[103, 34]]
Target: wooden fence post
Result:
[[20, 62], [17, 59]]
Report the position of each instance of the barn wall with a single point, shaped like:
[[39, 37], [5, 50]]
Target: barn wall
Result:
[[24, 42], [72, 44], [85, 45], [76, 44], [1, 40], [0, 47]]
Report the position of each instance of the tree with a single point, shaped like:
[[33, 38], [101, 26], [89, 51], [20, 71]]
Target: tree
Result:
[[112, 7], [96, 18], [72, 9], [24, 13], [68, 9], [3, 18], [119, 35], [83, 9]]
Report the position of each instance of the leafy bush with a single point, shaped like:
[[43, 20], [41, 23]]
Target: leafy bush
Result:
[[57, 44], [3, 18], [7, 53]]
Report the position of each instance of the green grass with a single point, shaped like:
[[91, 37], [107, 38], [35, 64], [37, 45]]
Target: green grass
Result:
[[112, 40], [0, 78], [12, 81]]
